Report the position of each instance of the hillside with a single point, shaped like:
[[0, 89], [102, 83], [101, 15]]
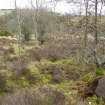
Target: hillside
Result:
[[48, 58], [5, 11]]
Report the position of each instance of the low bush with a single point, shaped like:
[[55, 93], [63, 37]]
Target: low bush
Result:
[[2, 83], [52, 52], [60, 70], [41, 96]]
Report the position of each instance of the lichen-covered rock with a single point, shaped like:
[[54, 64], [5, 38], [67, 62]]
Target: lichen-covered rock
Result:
[[100, 90]]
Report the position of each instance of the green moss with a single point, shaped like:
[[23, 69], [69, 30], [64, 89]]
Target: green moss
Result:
[[46, 78], [23, 82], [59, 62], [65, 61], [100, 71], [5, 33]]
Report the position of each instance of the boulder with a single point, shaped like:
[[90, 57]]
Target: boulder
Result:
[[100, 89]]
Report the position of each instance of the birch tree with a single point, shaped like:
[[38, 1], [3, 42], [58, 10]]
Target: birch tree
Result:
[[86, 21], [19, 26], [35, 6]]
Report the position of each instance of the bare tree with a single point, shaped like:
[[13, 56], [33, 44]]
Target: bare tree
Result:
[[35, 7], [19, 26]]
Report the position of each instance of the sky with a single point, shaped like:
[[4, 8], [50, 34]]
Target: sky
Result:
[[61, 7]]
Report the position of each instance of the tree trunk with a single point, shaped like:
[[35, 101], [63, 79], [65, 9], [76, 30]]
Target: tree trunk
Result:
[[96, 32], [86, 24]]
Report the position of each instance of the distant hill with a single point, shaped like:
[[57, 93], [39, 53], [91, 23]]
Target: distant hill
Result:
[[5, 11]]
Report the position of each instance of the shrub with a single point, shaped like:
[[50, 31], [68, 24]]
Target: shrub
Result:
[[32, 74], [18, 65], [88, 77], [5, 77]]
